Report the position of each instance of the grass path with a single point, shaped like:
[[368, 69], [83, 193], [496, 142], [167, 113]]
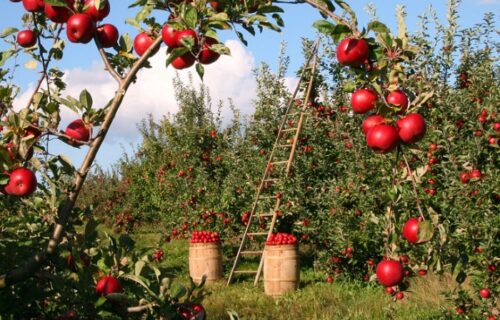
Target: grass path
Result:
[[316, 299]]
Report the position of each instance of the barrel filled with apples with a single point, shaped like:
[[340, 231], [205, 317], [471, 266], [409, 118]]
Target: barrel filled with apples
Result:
[[205, 257], [281, 264]]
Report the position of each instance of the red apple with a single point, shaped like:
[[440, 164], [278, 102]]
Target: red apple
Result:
[[496, 126], [184, 35], [59, 14], [372, 121], [382, 138], [400, 295], [107, 285], [464, 177], [397, 98], [485, 293], [80, 28], [97, 13], [184, 61], [78, 130], [26, 38], [142, 42], [352, 52], [22, 182], [34, 5], [169, 36], [410, 230], [363, 100], [108, 35], [411, 128], [476, 174], [389, 272], [207, 55]]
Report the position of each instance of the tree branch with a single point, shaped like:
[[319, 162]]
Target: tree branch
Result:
[[27, 270], [107, 64], [414, 183]]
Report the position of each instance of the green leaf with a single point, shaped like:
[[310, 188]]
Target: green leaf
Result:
[[139, 265], [425, 231], [86, 99], [8, 31], [57, 3], [378, 27], [100, 301], [140, 281], [5, 55], [200, 70], [133, 23], [177, 52], [177, 291]]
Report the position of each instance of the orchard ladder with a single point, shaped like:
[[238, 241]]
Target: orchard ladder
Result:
[[284, 146]]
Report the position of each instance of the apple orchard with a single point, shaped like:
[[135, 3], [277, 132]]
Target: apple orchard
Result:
[[395, 176]]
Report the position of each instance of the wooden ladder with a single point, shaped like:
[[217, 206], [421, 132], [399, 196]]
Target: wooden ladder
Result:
[[286, 142]]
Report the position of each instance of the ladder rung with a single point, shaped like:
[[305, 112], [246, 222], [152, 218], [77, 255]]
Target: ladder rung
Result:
[[265, 215], [271, 180], [279, 162], [284, 145], [252, 252], [257, 233], [245, 271], [293, 114], [267, 197], [289, 129]]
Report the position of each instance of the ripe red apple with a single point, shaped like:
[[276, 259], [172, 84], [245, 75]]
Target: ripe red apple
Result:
[[59, 14], [410, 230], [108, 35], [107, 285], [397, 98], [389, 290], [389, 272], [400, 295], [97, 13], [476, 174], [80, 28], [496, 126], [34, 5], [26, 38], [422, 272], [142, 42], [207, 55], [372, 121], [22, 182], [352, 52], [363, 100], [184, 35], [464, 177], [184, 61], [382, 138], [78, 130], [169, 36], [485, 293], [411, 128]]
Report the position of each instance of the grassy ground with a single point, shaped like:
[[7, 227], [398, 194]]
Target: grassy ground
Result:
[[316, 299]]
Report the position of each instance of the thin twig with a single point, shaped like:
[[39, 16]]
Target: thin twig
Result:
[[143, 308], [329, 13], [414, 184], [34, 263], [45, 66], [107, 64]]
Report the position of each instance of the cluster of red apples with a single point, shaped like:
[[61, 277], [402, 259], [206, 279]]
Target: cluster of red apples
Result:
[[81, 21], [204, 237], [381, 134], [280, 238], [22, 181], [82, 25]]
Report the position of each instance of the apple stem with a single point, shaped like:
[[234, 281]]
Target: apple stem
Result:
[[414, 184]]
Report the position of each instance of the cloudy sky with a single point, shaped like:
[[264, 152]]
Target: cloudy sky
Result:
[[230, 77]]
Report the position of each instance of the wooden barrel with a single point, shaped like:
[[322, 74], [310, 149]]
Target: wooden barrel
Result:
[[281, 269], [205, 258]]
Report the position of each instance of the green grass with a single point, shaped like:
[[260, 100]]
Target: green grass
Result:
[[315, 299]]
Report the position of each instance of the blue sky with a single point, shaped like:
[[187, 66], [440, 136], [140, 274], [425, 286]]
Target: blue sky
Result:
[[84, 69]]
